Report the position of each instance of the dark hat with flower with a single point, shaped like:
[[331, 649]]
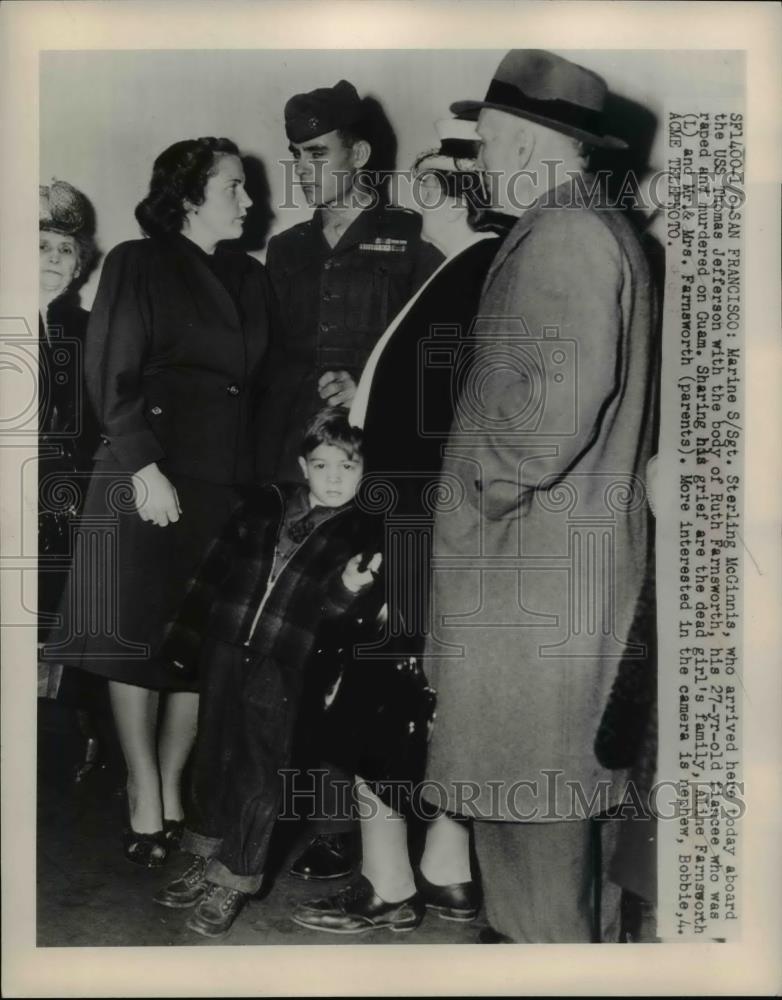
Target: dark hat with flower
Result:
[[64, 209]]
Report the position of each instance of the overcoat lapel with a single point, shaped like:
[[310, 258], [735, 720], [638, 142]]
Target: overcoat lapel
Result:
[[509, 244], [563, 194]]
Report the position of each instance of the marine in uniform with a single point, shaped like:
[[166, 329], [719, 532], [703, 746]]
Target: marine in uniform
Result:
[[339, 279]]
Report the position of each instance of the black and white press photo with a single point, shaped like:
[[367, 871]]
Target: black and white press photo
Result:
[[381, 512]]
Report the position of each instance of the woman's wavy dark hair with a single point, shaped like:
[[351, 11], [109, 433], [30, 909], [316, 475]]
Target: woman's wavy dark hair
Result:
[[179, 174]]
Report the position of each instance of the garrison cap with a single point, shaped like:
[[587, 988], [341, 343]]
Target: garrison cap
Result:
[[320, 111]]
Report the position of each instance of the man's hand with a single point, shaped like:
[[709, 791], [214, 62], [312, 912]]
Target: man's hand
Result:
[[355, 578], [155, 498], [337, 388]]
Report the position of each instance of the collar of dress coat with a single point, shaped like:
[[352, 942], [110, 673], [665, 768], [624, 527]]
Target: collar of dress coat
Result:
[[181, 244], [339, 216]]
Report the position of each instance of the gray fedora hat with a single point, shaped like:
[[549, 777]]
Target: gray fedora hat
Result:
[[550, 90]]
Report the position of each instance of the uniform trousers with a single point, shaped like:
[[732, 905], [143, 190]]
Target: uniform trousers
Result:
[[538, 880], [246, 719]]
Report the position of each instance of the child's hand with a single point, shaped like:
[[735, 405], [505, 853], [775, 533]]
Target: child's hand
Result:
[[354, 577]]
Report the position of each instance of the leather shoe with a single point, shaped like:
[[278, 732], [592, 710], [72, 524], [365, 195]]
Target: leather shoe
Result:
[[148, 850], [217, 910], [358, 909], [328, 856], [459, 901], [186, 890]]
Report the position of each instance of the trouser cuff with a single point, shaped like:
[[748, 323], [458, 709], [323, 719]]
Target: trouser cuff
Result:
[[197, 843], [217, 872]]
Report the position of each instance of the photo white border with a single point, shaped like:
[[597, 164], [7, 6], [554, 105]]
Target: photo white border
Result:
[[753, 966]]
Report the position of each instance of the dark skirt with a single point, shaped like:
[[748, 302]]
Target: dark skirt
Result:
[[129, 576], [366, 715], [60, 488]]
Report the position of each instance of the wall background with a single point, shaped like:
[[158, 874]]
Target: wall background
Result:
[[105, 115]]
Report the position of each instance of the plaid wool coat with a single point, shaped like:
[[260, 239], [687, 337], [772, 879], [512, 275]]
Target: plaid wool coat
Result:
[[223, 599]]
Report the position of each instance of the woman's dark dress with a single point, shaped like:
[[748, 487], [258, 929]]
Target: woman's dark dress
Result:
[[174, 348]]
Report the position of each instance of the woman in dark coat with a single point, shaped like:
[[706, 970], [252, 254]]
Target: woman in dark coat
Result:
[[67, 438], [66, 426], [174, 346]]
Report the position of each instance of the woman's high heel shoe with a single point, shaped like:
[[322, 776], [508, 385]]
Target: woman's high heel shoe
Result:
[[148, 850], [172, 832]]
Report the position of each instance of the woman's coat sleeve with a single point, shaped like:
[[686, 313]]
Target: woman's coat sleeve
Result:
[[118, 343]]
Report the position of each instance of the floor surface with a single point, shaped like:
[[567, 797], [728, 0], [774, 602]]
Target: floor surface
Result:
[[89, 895]]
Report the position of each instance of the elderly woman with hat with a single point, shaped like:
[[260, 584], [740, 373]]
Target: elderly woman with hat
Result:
[[175, 342], [67, 429], [405, 404]]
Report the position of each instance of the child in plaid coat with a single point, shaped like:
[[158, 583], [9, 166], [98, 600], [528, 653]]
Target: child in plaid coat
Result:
[[290, 557]]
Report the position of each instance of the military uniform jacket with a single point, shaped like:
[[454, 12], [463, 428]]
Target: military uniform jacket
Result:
[[173, 357], [334, 302]]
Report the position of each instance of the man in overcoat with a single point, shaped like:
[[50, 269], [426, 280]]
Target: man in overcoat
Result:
[[541, 563]]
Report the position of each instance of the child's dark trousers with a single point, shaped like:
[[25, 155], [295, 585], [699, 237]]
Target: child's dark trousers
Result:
[[246, 719]]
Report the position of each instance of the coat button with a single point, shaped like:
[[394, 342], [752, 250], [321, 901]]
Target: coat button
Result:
[[324, 327], [233, 390], [156, 411], [104, 439]]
